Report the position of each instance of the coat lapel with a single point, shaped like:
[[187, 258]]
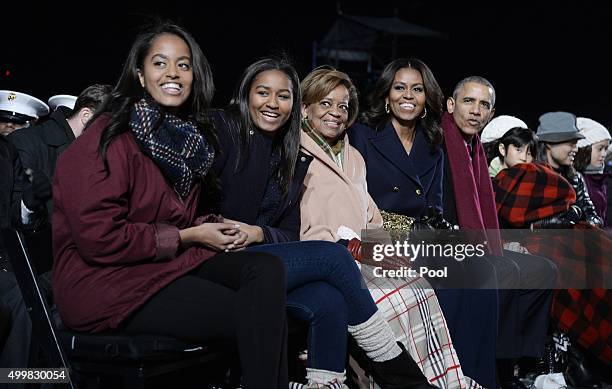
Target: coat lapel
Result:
[[420, 155], [389, 146], [312, 148]]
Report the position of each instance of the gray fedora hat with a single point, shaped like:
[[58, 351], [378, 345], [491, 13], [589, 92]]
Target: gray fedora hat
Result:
[[558, 127]]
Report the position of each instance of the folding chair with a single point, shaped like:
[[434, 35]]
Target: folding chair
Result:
[[92, 357]]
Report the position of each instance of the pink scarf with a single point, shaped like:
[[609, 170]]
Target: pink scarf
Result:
[[472, 186]]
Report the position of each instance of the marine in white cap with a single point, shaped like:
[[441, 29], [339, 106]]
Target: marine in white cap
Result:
[[40, 146], [18, 110]]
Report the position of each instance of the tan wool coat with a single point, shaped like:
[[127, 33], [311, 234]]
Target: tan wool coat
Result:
[[333, 197]]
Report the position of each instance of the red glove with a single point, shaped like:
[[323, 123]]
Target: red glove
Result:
[[354, 247]]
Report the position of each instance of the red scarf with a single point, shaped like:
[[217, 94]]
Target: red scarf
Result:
[[471, 183]]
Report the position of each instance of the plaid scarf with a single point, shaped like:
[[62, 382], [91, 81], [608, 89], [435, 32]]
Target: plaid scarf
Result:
[[176, 146], [472, 185], [528, 192], [335, 151]]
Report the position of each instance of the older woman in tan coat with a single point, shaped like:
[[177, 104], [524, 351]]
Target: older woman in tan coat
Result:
[[342, 185], [336, 207]]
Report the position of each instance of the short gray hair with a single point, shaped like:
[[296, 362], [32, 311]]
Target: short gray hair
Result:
[[477, 79]]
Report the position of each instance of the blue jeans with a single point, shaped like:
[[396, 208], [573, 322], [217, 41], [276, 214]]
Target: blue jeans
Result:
[[320, 267], [321, 306]]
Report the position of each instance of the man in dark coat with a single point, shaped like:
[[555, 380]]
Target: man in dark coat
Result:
[[22, 196], [40, 146], [17, 198], [469, 202], [22, 204]]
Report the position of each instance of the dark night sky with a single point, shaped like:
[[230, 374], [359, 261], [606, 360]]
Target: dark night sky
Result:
[[539, 57]]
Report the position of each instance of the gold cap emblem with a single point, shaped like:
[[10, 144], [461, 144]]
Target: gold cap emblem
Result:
[[12, 96]]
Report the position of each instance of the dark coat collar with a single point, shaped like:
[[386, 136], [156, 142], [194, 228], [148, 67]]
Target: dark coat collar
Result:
[[388, 144], [56, 131]]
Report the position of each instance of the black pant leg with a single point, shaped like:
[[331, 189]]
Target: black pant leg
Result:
[[525, 311], [16, 350], [232, 296], [262, 325]]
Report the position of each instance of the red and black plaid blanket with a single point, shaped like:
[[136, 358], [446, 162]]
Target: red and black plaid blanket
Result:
[[526, 193], [529, 192]]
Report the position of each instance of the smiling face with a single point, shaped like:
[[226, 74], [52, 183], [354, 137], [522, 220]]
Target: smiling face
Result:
[[407, 97], [472, 109], [561, 154], [598, 152], [328, 116], [270, 100], [166, 73]]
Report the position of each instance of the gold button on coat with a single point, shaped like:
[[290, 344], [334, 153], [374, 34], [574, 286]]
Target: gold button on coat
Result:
[[396, 189], [418, 192]]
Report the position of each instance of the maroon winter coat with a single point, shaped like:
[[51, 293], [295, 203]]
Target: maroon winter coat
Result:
[[116, 235], [598, 192]]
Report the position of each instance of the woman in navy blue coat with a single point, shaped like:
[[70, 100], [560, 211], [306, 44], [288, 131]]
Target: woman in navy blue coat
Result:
[[400, 182], [400, 140]]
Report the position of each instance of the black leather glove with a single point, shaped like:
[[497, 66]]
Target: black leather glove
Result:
[[421, 224], [565, 219], [432, 220], [424, 222], [438, 222], [37, 192]]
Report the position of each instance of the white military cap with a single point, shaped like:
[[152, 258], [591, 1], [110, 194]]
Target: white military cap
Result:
[[65, 100], [20, 106]]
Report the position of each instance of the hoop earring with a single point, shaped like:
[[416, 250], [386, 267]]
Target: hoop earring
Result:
[[387, 108], [424, 112]]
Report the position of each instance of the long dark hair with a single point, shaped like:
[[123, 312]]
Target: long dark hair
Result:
[[128, 89], [377, 117], [241, 123]]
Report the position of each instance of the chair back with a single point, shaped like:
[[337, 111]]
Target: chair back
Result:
[[38, 308]]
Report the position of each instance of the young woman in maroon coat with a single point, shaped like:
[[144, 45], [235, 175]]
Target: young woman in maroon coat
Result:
[[130, 253]]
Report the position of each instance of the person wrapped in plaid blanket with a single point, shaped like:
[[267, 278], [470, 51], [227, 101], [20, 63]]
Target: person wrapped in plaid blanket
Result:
[[538, 196], [529, 193]]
